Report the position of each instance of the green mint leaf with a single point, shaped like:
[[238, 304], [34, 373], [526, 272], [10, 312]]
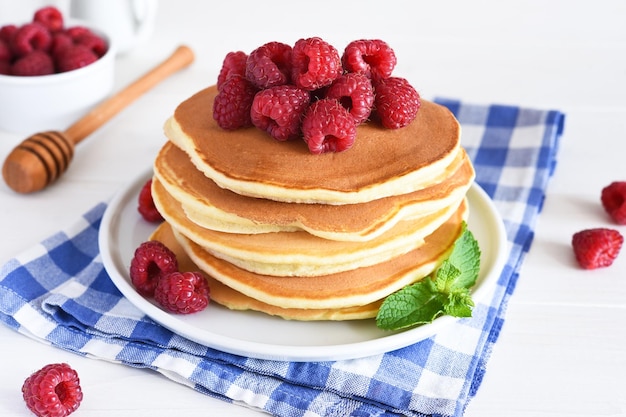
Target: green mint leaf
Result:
[[459, 303], [446, 276], [466, 257], [414, 304], [445, 291]]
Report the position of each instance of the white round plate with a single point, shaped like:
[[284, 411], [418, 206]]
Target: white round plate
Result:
[[258, 335]]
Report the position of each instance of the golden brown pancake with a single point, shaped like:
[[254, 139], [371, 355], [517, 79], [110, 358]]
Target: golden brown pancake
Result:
[[299, 253], [226, 296], [212, 207], [381, 163], [356, 287]]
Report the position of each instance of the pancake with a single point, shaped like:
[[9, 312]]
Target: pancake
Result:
[[212, 207], [356, 287], [228, 297], [381, 163], [299, 253]]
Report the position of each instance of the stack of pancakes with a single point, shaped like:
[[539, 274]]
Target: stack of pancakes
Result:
[[310, 237]]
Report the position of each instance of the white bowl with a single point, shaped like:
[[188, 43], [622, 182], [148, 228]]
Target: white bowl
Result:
[[31, 104]]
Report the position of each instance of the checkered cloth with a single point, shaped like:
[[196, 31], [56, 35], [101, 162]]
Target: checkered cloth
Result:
[[59, 293]]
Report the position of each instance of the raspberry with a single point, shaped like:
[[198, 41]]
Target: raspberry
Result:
[[76, 32], [5, 68], [5, 51], [374, 58], [152, 261], [146, 206], [34, 63], [93, 42], [231, 107], [234, 64], [596, 248], [278, 111], [30, 37], [53, 391], [354, 91], [327, 126], [7, 32], [613, 199], [396, 102], [60, 41], [182, 292], [74, 57], [315, 64], [50, 17], [269, 65]]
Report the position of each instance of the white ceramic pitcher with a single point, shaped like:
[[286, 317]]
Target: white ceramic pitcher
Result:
[[128, 22]]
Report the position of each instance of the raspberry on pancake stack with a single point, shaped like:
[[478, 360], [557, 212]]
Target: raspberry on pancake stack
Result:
[[310, 185]]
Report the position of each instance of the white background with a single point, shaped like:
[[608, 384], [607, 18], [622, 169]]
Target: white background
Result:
[[562, 350]]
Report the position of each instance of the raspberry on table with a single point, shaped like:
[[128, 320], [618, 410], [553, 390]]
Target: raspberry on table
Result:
[[32, 64], [613, 199], [53, 391], [396, 102], [355, 92], [183, 292], [596, 248], [146, 206], [30, 37], [50, 17], [327, 126], [234, 64], [231, 107], [74, 57], [315, 64], [269, 65], [151, 262], [278, 111], [372, 57]]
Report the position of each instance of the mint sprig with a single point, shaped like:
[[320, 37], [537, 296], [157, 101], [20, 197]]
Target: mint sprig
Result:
[[445, 291]]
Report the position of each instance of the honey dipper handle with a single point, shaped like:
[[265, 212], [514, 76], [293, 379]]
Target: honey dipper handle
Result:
[[180, 58]]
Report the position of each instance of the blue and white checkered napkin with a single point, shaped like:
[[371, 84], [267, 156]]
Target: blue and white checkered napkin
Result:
[[58, 292]]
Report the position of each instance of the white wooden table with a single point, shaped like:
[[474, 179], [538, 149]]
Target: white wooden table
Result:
[[562, 351]]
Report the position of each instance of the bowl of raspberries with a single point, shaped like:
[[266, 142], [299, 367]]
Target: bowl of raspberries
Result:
[[52, 71]]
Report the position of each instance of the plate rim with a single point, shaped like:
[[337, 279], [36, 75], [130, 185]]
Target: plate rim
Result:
[[287, 352]]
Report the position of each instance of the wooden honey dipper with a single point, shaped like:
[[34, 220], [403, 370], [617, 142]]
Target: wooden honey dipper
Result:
[[41, 158]]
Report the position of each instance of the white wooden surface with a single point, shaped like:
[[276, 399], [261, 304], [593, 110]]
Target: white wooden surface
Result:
[[562, 351]]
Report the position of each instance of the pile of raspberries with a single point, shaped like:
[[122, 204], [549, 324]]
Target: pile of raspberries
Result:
[[309, 91], [45, 46]]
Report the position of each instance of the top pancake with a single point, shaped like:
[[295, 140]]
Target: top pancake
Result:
[[381, 163]]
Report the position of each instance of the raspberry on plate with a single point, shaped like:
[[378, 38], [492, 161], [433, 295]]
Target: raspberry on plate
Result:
[[231, 107], [151, 262], [328, 127], [278, 111], [183, 292], [53, 391], [372, 57], [596, 248], [315, 64], [613, 199], [146, 206], [269, 65], [396, 102], [355, 92]]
